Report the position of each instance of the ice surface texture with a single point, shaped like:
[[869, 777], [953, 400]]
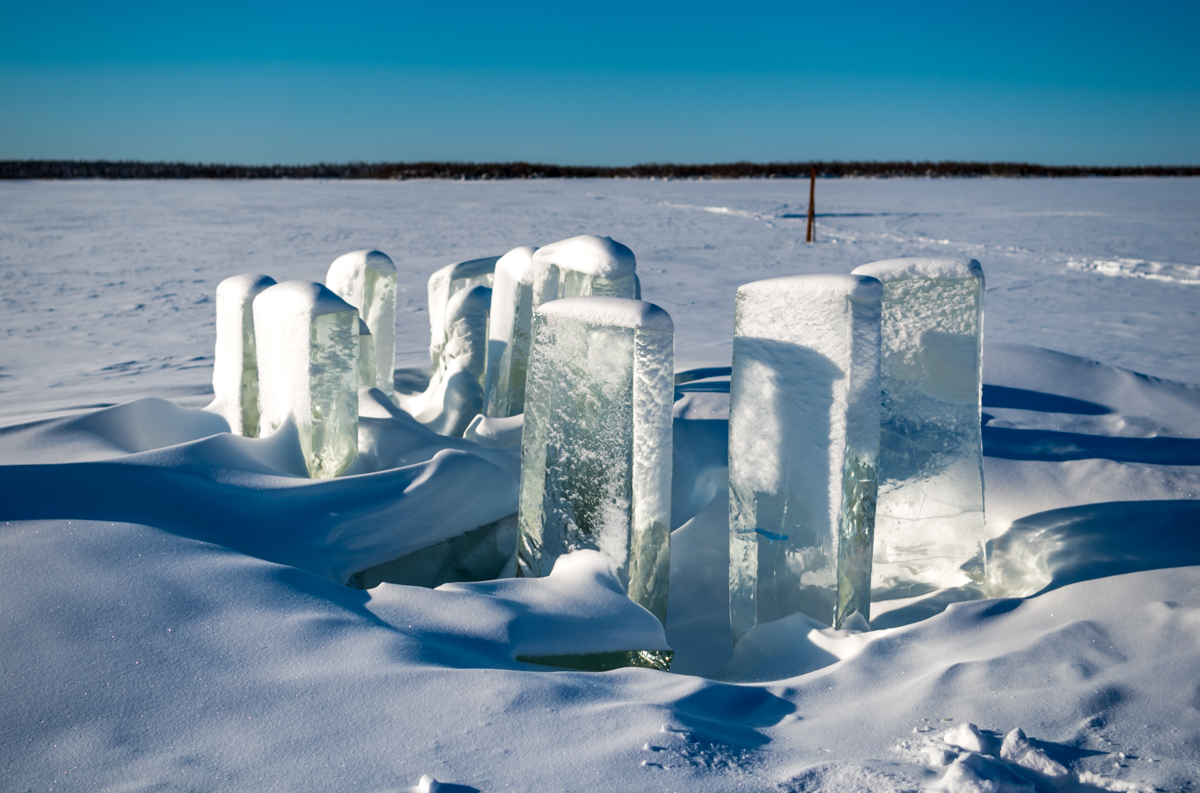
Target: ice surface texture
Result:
[[455, 392], [443, 285], [235, 368], [367, 281], [930, 524], [307, 340], [803, 444], [596, 445]]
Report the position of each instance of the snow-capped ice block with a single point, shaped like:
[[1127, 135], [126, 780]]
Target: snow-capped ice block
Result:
[[367, 281], [929, 529], [455, 392], [366, 355], [513, 302], [235, 370], [588, 265], [307, 340], [443, 285], [803, 446], [596, 443]]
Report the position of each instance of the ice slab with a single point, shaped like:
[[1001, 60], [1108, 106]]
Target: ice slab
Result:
[[367, 281], [366, 354], [513, 302], [455, 392], [803, 445], [307, 344], [443, 285], [929, 527], [589, 265], [235, 367], [596, 444]]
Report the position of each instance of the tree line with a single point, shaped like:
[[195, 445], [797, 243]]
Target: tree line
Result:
[[126, 169]]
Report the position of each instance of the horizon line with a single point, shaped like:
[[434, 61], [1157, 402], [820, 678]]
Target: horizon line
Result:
[[32, 169]]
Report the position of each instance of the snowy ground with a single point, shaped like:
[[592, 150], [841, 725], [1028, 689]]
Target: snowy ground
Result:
[[202, 642]]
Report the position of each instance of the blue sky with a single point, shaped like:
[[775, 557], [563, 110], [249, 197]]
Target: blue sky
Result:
[[600, 83]]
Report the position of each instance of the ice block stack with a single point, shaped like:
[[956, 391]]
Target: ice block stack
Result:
[[930, 523], [527, 277], [596, 447], [803, 446], [367, 281], [443, 285], [235, 365], [455, 392], [513, 302], [307, 345], [587, 265]]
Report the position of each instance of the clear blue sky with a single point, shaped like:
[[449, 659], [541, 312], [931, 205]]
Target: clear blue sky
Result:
[[601, 83]]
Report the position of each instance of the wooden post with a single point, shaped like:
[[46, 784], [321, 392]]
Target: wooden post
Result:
[[812, 216]]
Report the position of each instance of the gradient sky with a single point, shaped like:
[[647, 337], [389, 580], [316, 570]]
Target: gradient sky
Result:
[[601, 83]]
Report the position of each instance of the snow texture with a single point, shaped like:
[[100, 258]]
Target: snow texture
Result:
[[803, 446], [596, 444], [454, 395], [929, 524], [509, 329], [307, 350], [367, 280], [235, 366]]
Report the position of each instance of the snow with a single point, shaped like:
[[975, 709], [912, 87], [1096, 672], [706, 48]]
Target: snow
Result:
[[174, 611], [602, 257], [610, 311]]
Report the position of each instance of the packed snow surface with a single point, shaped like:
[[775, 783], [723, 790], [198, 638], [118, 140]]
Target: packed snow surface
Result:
[[609, 311], [174, 614]]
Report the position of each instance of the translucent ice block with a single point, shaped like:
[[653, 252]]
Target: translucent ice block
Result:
[[455, 392], [235, 371], [366, 354], [803, 445], [596, 446], [307, 340], [443, 285], [588, 265], [930, 525], [513, 302], [367, 281]]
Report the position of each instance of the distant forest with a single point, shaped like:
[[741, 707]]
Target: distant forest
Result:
[[103, 169]]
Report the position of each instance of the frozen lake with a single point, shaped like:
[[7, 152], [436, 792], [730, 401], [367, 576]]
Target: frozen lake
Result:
[[107, 286], [174, 615]]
